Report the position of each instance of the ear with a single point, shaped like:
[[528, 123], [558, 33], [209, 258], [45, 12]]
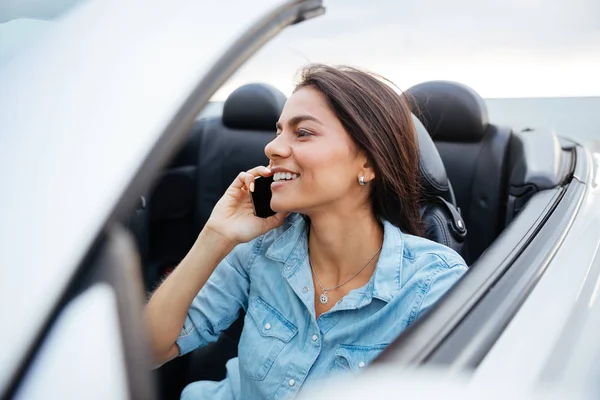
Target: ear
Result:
[[367, 169]]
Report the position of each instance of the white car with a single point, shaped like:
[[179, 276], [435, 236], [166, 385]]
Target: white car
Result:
[[103, 187]]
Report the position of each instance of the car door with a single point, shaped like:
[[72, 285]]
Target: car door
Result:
[[93, 344]]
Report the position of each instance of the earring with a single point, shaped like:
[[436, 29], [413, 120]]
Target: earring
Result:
[[361, 180]]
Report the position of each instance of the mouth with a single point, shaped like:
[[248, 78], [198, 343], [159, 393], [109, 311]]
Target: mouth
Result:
[[284, 176]]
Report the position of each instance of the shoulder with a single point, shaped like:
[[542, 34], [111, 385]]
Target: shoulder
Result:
[[429, 270], [425, 259], [416, 247]]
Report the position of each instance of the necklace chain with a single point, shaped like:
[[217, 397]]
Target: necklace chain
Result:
[[323, 298]]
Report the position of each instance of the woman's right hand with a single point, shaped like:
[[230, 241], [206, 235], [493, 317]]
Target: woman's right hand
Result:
[[233, 215]]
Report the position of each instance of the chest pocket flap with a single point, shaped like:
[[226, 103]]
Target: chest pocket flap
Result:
[[355, 358], [270, 322]]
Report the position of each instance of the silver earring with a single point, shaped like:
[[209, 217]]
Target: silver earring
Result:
[[361, 180]]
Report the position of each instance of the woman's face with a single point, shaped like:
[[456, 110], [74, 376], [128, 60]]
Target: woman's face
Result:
[[312, 145]]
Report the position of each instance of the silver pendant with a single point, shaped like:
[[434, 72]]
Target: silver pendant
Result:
[[323, 298]]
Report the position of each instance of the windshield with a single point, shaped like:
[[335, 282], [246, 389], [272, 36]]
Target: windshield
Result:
[[22, 23]]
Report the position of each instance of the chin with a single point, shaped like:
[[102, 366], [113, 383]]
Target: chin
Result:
[[279, 205]]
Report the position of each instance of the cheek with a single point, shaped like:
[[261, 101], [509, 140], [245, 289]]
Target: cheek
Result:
[[325, 167], [326, 176]]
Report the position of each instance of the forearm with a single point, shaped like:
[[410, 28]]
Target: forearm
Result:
[[166, 311]]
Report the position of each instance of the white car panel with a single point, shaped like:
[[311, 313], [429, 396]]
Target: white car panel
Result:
[[521, 353], [82, 357]]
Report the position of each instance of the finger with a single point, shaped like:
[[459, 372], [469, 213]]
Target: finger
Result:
[[249, 182], [240, 181], [244, 179], [260, 171]]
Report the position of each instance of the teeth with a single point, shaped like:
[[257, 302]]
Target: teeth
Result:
[[280, 176]]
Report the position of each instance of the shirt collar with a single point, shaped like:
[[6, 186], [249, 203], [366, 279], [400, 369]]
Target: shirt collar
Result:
[[292, 247], [387, 278]]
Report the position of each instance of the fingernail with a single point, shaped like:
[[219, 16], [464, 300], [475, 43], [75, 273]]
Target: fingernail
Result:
[[252, 187]]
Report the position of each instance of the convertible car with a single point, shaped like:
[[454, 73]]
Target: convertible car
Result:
[[108, 176]]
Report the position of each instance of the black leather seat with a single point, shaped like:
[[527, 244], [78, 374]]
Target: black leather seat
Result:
[[217, 149], [170, 211], [474, 154], [443, 223], [234, 142]]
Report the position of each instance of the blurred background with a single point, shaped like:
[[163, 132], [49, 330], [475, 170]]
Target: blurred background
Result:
[[536, 62]]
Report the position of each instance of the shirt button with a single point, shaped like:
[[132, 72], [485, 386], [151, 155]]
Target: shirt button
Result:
[[292, 382], [361, 364], [267, 326], [315, 338], [305, 289]]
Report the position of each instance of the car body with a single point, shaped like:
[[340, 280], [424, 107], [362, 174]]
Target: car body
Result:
[[91, 116]]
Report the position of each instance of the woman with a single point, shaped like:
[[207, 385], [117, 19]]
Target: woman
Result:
[[337, 273]]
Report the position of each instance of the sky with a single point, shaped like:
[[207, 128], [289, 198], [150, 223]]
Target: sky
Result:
[[501, 48]]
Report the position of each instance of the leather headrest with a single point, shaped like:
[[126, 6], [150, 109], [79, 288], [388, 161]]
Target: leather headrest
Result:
[[433, 173], [451, 111], [255, 106]]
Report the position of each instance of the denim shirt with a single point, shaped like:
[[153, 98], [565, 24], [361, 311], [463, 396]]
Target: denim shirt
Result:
[[283, 346]]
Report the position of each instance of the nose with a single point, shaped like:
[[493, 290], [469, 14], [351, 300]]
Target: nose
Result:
[[278, 148]]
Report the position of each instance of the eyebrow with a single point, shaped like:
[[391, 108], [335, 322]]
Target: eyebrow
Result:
[[297, 119]]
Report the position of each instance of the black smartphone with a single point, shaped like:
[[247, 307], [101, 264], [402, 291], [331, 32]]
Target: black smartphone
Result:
[[261, 197]]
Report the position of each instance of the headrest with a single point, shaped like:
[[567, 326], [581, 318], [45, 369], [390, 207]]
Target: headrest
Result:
[[451, 111], [433, 173], [255, 106]]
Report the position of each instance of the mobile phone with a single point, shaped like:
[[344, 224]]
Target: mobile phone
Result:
[[261, 197]]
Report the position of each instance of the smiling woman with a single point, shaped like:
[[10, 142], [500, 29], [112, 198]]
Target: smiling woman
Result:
[[335, 121], [337, 273]]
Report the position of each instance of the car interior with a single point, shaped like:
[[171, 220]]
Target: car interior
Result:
[[476, 178]]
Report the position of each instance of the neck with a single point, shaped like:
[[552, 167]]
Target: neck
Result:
[[340, 245]]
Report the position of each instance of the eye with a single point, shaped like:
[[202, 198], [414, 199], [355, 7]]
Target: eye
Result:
[[303, 133]]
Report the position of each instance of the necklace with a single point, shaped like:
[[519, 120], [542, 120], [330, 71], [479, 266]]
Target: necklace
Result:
[[323, 298]]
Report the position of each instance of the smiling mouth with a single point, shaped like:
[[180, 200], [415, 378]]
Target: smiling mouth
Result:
[[284, 176]]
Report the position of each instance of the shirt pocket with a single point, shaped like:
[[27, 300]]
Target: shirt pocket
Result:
[[354, 358], [266, 332]]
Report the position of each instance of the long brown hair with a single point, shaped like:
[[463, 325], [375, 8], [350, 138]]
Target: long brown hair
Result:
[[379, 122]]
